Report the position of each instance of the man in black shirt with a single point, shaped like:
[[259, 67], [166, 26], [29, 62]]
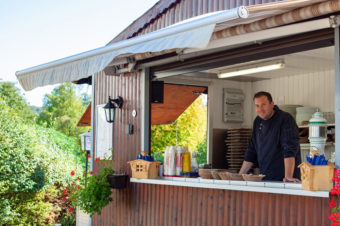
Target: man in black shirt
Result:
[[274, 143]]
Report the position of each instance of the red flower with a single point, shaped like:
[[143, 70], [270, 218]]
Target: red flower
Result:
[[84, 174], [70, 209], [72, 173], [332, 204], [78, 187], [97, 159], [89, 156], [64, 199], [72, 183], [91, 173], [64, 191], [78, 178]]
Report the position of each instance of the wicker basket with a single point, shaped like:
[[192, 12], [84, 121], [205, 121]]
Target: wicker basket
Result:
[[205, 173], [142, 169], [230, 176], [252, 177], [214, 173]]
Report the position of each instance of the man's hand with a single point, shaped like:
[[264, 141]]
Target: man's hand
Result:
[[289, 170], [291, 179]]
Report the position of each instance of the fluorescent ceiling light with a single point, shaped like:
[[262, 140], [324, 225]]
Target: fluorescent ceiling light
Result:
[[252, 68]]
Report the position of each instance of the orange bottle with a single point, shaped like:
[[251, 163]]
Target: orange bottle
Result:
[[186, 162]]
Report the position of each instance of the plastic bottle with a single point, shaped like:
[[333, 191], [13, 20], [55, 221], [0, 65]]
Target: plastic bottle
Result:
[[186, 162], [194, 164], [179, 160]]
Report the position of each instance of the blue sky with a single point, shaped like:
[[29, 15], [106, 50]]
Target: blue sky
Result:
[[38, 31]]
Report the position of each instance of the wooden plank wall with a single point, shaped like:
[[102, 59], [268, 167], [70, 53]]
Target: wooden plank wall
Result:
[[128, 87], [155, 205]]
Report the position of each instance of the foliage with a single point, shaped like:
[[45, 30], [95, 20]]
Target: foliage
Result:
[[202, 152], [188, 130], [62, 109], [68, 219], [90, 193], [13, 98], [335, 209], [32, 160], [26, 209]]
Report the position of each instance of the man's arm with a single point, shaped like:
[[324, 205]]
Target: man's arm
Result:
[[290, 145], [289, 170], [246, 166]]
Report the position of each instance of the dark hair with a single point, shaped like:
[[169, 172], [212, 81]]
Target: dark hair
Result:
[[263, 93]]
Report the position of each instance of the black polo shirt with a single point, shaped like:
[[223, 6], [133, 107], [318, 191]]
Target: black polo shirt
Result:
[[272, 141]]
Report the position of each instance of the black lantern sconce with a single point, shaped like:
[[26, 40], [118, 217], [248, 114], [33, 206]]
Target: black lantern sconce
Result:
[[110, 108]]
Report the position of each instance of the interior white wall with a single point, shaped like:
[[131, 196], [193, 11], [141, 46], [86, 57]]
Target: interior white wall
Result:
[[314, 89]]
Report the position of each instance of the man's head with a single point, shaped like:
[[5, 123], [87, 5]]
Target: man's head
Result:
[[264, 105]]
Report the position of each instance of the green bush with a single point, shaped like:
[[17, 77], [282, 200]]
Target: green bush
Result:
[[32, 160]]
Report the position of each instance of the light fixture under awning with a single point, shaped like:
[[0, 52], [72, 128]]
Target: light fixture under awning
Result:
[[252, 68], [194, 33]]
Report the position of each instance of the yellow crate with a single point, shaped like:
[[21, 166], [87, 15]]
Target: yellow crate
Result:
[[317, 177], [142, 169]]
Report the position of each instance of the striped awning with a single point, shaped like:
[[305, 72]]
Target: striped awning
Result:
[[177, 37]]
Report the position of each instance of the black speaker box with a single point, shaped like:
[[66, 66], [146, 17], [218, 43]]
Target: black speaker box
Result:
[[157, 92]]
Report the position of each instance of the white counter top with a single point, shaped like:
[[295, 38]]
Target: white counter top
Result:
[[268, 187]]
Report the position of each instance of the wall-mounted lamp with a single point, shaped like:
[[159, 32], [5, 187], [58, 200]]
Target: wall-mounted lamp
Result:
[[252, 68], [110, 108]]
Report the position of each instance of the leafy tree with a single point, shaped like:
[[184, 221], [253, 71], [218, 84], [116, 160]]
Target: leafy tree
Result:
[[12, 96], [62, 109], [32, 160], [188, 130]]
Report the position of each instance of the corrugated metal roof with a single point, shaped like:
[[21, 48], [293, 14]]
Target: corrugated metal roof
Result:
[[167, 12]]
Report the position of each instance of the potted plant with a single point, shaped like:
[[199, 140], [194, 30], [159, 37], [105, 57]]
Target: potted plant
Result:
[[92, 192], [117, 180]]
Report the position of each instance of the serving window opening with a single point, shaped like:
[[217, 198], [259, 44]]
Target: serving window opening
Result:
[[179, 118], [303, 81]]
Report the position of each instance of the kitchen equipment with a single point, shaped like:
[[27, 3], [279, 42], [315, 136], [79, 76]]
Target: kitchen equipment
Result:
[[329, 116], [304, 114], [317, 132], [290, 108]]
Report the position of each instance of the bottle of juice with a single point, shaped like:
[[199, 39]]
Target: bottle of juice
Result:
[[186, 162]]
